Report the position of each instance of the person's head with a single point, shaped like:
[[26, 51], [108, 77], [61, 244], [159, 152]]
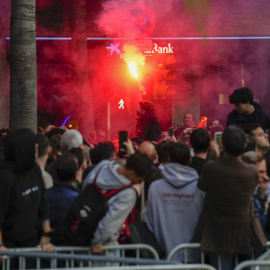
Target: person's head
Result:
[[200, 140], [101, 135], [263, 177], [252, 157], [189, 120], [102, 151], [163, 151], [180, 153], [234, 141], [55, 146], [242, 98], [148, 149], [251, 143], [147, 108], [72, 138], [43, 145], [69, 164], [19, 148], [138, 167], [136, 141], [262, 140], [164, 135], [215, 123]]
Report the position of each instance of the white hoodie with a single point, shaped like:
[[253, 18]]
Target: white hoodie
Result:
[[173, 207], [120, 205]]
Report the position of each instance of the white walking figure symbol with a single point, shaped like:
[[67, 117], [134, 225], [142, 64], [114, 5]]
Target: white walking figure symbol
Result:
[[121, 102]]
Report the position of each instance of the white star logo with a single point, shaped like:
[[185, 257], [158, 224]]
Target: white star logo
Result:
[[114, 48]]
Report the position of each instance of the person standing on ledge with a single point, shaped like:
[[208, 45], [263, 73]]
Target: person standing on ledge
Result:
[[147, 125], [246, 110]]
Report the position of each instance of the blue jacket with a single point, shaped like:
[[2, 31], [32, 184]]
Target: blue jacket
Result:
[[234, 118], [60, 198]]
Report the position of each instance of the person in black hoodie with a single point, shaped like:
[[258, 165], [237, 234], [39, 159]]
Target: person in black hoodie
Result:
[[246, 110], [24, 218]]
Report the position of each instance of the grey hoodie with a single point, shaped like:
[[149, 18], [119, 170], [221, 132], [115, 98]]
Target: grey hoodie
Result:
[[120, 205], [173, 207]]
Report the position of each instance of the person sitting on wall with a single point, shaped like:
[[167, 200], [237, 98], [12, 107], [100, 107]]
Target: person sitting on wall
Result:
[[246, 110]]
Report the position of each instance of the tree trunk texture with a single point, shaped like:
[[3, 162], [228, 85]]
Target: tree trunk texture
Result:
[[23, 66]]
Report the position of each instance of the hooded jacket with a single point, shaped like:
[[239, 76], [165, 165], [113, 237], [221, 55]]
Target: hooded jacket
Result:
[[234, 118], [147, 127], [119, 205], [23, 203], [173, 207]]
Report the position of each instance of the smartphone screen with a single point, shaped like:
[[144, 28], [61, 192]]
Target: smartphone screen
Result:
[[122, 138], [203, 119], [218, 139], [203, 122], [170, 131]]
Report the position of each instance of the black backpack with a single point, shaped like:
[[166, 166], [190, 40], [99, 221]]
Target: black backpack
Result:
[[87, 209]]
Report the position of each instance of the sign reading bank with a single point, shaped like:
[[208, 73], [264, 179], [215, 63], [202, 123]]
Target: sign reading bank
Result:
[[158, 49]]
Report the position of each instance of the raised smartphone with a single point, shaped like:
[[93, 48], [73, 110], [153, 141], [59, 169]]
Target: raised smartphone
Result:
[[170, 132], [122, 148]]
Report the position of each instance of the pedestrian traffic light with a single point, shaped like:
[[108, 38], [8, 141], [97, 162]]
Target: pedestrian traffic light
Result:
[[164, 77], [122, 103]]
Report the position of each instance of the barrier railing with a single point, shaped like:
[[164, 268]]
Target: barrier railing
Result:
[[153, 267], [186, 249], [71, 256], [141, 264], [257, 265]]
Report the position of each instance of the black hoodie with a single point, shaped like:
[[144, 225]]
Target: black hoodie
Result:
[[234, 118], [23, 204]]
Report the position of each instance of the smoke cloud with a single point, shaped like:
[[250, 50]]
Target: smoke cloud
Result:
[[81, 77]]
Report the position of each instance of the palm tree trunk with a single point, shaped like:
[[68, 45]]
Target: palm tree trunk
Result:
[[23, 67]]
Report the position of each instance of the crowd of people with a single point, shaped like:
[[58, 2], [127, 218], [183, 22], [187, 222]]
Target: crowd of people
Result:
[[182, 185]]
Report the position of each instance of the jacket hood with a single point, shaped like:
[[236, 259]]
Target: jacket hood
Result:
[[257, 106], [179, 175], [107, 176]]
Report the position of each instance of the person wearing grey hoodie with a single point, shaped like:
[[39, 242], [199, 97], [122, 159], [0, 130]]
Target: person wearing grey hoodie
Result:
[[174, 202], [111, 175]]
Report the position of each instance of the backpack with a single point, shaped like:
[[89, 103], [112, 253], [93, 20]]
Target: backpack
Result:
[[87, 209]]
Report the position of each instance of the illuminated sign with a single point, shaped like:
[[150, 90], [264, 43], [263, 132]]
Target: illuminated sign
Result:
[[121, 104], [157, 49], [114, 48]]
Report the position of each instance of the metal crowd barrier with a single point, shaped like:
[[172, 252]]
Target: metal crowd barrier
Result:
[[137, 264], [186, 248], [153, 267], [77, 256], [262, 263], [253, 265]]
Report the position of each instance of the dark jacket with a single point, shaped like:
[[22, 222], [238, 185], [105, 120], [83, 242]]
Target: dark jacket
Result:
[[147, 127], [60, 198], [197, 164], [234, 118], [23, 203], [224, 224]]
